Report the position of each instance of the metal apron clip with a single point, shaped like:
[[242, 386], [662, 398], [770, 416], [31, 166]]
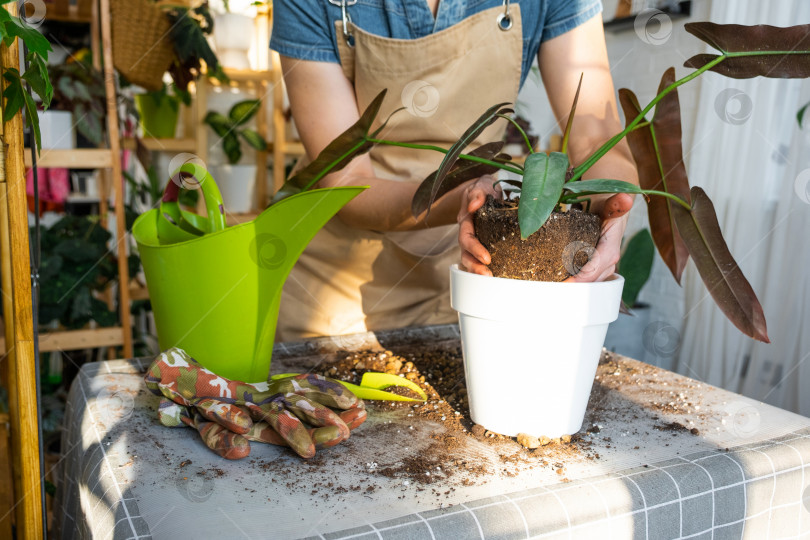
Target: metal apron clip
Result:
[[504, 19], [344, 14]]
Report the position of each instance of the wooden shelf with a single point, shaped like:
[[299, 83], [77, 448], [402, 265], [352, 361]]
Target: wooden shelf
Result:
[[236, 219], [137, 291], [80, 158], [163, 145], [291, 148], [241, 75], [71, 340], [62, 10]]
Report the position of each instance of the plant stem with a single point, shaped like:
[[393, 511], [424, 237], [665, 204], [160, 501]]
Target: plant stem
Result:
[[444, 151], [520, 129], [568, 198], [613, 141], [326, 170]]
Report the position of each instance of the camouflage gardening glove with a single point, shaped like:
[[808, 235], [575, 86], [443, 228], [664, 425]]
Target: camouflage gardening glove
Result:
[[228, 414]]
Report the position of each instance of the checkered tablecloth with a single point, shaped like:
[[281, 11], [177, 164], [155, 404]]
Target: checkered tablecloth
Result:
[[124, 476]]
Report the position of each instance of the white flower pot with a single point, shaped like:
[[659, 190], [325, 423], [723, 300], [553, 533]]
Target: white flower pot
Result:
[[56, 128], [233, 35], [236, 184], [531, 349]]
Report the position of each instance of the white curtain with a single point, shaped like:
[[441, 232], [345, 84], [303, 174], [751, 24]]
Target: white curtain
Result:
[[754, 162]]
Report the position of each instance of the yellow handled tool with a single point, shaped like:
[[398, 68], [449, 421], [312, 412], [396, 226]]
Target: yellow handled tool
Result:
[[373, 384]]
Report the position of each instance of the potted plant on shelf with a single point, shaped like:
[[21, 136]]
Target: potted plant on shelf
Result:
[[79, 91], [236, 180], [624, 336], [160, 109], [541, 339], [142, 52]]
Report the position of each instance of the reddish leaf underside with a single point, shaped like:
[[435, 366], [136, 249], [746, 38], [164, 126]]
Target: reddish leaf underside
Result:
[[717, 267], [461, 171], [483, 122], [342, 150], [793, 42], [664, 133]]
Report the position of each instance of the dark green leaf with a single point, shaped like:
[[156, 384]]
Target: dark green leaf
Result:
[[571, 114], [89, 123], [337, 154], [218, 122], [472, 133], [101, 313], [543, 180], [592, 187], [231, 146], [461, 171], [254, 139], [658, 153], [635, 265], [31, 115], [718, 269], [35, 41], [774, 52], [66, 88], [13, 93], [800, 114], [243, 111], [37, 77]]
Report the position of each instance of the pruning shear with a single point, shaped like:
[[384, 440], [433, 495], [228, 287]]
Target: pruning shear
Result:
[[373, 386]]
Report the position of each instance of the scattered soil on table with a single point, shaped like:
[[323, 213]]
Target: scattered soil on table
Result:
[[454, 457], [440, 373], [558, 250]]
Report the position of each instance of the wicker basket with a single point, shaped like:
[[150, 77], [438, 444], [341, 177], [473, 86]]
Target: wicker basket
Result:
[[142, 49]]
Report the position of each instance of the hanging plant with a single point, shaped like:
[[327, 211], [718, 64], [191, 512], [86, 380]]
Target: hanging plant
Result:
[[36, 77]]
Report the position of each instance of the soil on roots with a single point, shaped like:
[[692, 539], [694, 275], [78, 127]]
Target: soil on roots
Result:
[[554, 253]]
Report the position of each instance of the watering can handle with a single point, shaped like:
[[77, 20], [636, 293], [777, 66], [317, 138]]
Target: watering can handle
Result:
[[211, 195]]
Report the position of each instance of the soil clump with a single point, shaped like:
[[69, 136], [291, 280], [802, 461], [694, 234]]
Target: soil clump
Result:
[[554, 253]]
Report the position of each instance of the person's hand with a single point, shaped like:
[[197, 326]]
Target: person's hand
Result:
[[602, 263], [474, 256], [223, 411]]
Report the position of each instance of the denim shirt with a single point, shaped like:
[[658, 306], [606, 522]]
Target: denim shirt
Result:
[[305, 29]]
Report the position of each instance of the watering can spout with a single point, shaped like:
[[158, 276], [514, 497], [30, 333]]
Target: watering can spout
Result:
[[216, 292]]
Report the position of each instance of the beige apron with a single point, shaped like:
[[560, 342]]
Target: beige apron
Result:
[[350, 280]]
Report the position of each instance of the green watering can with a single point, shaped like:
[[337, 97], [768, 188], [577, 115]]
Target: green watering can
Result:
[[215, 291]]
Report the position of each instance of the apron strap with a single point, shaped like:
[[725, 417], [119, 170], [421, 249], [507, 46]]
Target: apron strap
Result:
[[346, 18]]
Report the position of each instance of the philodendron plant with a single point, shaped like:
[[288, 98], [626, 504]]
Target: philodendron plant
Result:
[[682, 219], [229, 128]]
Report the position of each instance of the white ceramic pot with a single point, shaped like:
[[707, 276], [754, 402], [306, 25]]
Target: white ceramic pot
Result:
[[236, 184], [531, 349], [233, 35], [56, 128]]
